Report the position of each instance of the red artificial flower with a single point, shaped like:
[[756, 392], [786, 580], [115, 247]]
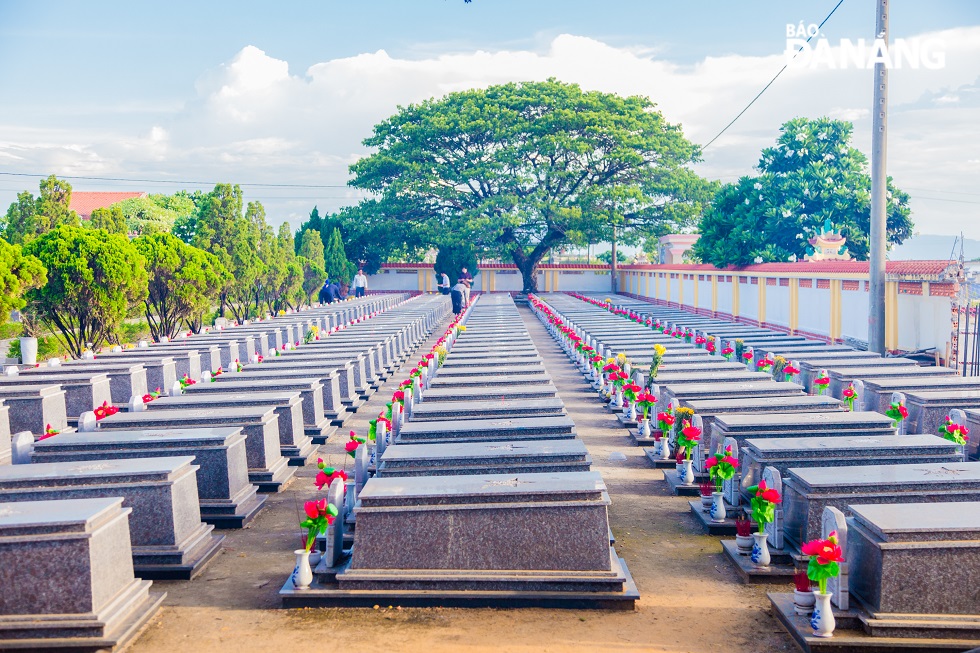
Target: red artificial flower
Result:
[[823, 380], [666, 418], [691, 433], [747, 355], [768, 494], [710, 461], [903, 410], [147, 398], [848, 393], [351, 446], [398, 396], [826, 551], [789, 369]]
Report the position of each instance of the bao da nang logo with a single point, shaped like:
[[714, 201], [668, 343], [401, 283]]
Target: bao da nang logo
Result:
[[806, 47]]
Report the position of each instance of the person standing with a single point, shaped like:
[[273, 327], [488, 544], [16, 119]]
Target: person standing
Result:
[[443, 284], [467, 279], [457, 296], [360, 283]]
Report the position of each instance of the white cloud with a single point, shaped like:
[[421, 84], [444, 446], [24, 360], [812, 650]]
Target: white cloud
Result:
[[254, 120]]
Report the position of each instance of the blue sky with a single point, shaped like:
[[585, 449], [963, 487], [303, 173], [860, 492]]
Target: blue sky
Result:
[[263, 93]]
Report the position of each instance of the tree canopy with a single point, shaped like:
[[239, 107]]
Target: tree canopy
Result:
[[337, 266], [29, 217], [520, 168], [810, 176], [18, 274], [93, 279], [184, 282], [110, 218]]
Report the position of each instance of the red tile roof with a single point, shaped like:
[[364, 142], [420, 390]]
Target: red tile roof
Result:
[[84, 202]]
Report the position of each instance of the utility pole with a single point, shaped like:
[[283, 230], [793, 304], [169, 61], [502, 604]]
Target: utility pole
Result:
[[879, 183], [615, 271]]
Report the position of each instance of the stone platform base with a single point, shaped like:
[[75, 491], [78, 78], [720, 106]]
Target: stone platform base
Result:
[[851, 635], [680, 489], [170, 564], [726, 527], [339, 419], [235, 514], [781, 569], [657, 463], [516, 590], [320, 434], [274, 479], [626, 423], [78, 635], [298, 456]]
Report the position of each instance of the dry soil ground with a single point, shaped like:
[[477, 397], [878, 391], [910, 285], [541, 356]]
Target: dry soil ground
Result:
[[691, 598]]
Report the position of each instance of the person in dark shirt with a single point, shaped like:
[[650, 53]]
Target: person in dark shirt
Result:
[[324, 296], [334, 291]]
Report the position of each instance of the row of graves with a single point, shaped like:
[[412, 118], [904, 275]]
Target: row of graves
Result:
[[844, 472], [127, 464], [471, 489]]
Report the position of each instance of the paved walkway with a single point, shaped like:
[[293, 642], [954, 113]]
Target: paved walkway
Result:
[[691, 600]]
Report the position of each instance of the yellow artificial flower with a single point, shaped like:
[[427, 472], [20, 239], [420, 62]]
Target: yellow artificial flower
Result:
[[621, 359], [462, 327], [660, 349]]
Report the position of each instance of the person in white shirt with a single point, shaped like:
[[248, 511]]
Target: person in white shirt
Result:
[[443, 284], [360, 284]]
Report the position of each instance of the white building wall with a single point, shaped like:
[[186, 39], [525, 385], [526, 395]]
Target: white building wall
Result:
[[924, 322], [748, 301], [777, 305], [854, 314], [724, 296], [815, 310]]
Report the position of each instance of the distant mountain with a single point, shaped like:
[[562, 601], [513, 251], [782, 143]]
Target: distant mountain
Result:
[[928, 247]]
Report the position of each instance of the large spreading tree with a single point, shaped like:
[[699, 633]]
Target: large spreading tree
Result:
[[810, 176], [518, 169], [94, 279], [184, 283]]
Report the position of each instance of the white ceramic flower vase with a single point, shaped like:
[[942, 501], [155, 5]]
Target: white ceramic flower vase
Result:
[[687, 472], [303, 573], [617, 400], [643, 426], [664, 447], [822, 620], [718, 513], [760, 550], [631, 412]]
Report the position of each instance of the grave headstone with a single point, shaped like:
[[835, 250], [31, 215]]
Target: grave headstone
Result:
[[835, 522], [774, 529]]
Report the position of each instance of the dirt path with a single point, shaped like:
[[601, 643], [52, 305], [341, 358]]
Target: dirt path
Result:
[[691, 599]]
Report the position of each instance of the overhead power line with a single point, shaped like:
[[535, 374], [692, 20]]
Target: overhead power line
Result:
[[173, 181], [766, 87]]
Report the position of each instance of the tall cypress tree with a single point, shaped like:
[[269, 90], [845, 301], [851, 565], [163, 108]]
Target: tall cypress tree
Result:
[[337, 265]]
